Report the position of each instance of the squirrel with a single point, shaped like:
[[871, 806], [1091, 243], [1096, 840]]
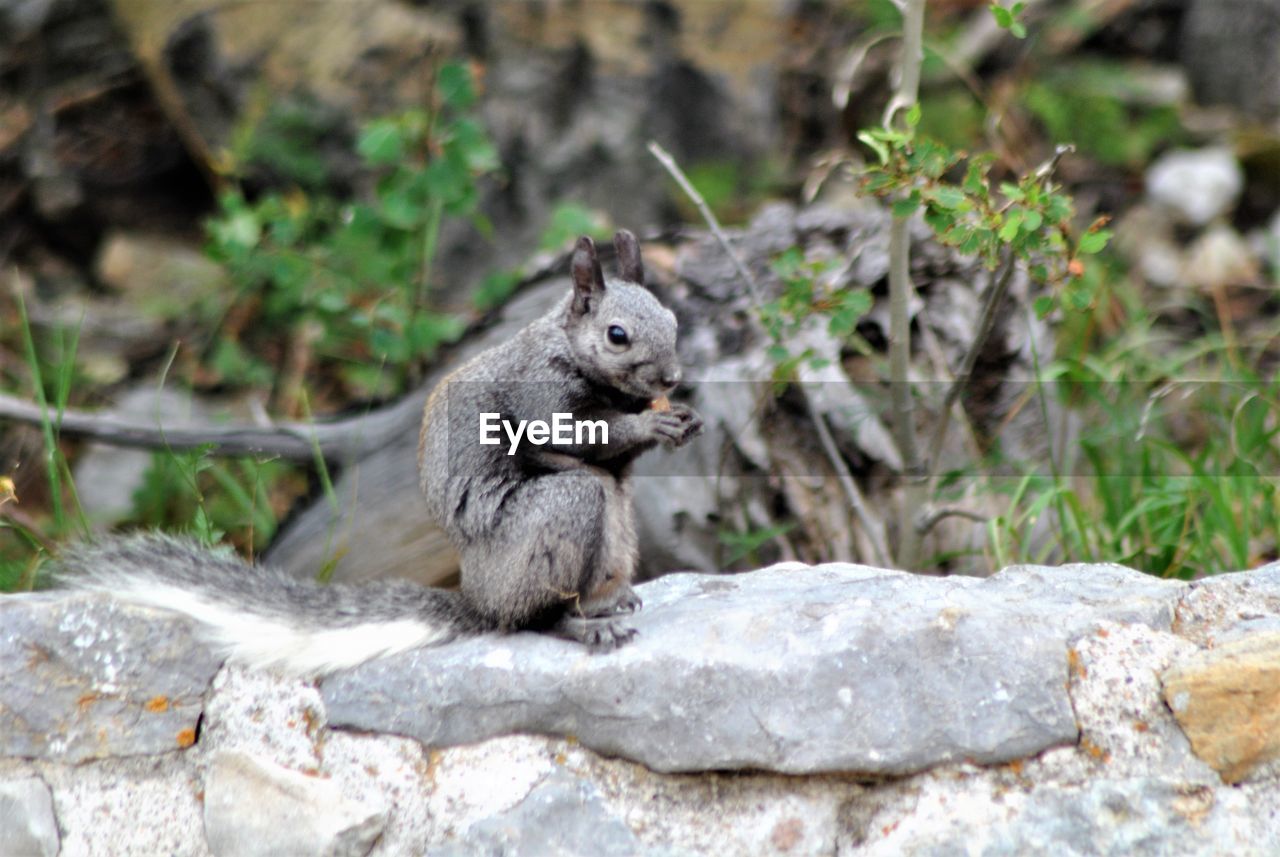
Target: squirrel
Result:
[[545, 530]]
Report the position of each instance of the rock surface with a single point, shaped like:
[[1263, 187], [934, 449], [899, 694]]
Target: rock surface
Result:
[[1198, 184], [1094, 761], [1227, 700], [252, 807], [789, 669], [27, 823], [83, 677]]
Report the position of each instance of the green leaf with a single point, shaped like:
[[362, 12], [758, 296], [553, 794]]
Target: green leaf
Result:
[[1004, 18], [1012, 192], [1012, 222], [381, 142], [906, 207], [1043, 305], [854, 304], [1032, 221], [950, 198], [1093, 242], [454, 85], [913, 115], [1017, 30]]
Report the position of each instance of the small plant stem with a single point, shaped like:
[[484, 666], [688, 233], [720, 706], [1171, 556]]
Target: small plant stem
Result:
[[45, 421], [873, 528], [911, 61], [430, 235], [994, 297], [669, 164], [915, 493]]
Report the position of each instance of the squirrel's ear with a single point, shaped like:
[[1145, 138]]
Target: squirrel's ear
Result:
[[630, 268], [588, 279]]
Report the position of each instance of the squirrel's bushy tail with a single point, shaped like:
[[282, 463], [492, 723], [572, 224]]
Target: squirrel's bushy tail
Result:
[[261, 616]]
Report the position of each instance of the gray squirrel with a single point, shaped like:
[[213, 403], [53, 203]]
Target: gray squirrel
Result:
[[545, 529]]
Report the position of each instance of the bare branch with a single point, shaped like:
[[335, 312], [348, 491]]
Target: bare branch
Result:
[[336, 441], [936, 516], [873, 527], [669, 164], [992, 300]]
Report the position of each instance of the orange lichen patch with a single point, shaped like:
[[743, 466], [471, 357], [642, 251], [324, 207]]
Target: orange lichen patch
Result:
[[661, 404], [1074, 665], [1095, 751], [1140, 726], [157, 704], [1015, 767], [1104, 633], [87, 699], [312, 720], [186, 737]]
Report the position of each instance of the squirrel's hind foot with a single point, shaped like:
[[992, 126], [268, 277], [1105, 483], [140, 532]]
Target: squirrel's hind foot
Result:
[[599, 634]]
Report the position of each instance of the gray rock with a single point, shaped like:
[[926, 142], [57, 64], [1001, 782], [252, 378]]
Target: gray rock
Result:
[[793, 669], [135, 805], [255, 807], [1198, 184], [28, 827], [1092, 819], [83, 677], [563, 815], [1217, 608]]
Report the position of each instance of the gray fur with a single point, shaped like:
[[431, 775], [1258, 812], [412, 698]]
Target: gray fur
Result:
[[548, 535], [121, 563]]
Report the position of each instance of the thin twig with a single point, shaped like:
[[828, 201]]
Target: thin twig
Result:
[[931, 520], [669, 164], [873, 528], [986, 323]]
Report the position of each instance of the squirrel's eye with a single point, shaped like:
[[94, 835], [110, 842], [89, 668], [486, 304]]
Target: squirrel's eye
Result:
[[617, 335]]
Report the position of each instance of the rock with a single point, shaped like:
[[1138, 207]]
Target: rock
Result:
[[1227, 700], [1217, 605], [256, 807], [84, 677], [1097, 817], [768, 650], [162, 277], [128, 805], [1231, 52], [1220, 257], [562, 815], [27, 823], [1198, 184], [961, 668]]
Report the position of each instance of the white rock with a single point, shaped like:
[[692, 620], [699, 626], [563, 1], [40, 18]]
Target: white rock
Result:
[[1198, 184], [27, 824], [255, 807]]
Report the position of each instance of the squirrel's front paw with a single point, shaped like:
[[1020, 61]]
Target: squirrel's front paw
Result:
[[675, 427]]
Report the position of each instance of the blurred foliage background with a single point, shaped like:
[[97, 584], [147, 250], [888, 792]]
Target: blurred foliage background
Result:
[[291, 208]]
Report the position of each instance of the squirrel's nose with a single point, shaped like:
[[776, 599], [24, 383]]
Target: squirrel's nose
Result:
[[671, 377]]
